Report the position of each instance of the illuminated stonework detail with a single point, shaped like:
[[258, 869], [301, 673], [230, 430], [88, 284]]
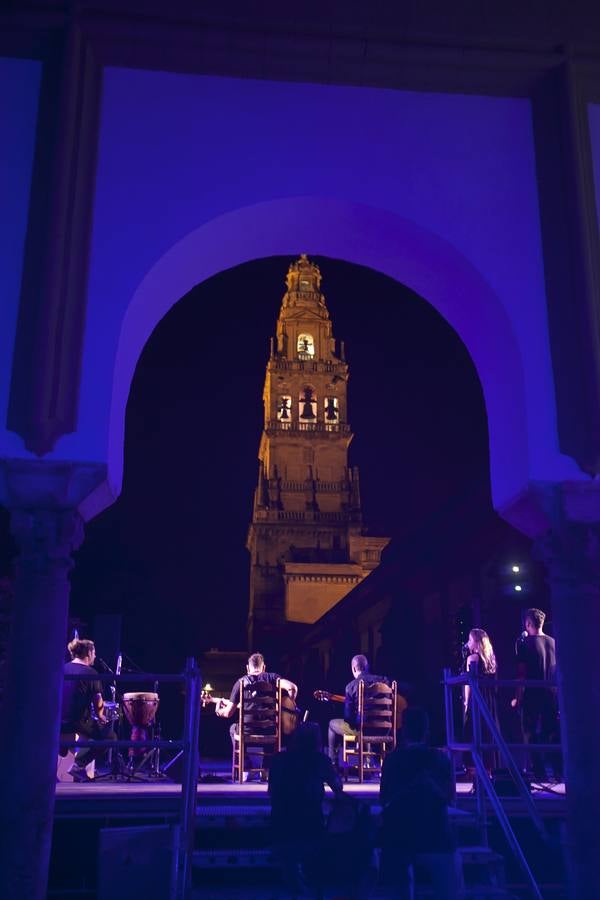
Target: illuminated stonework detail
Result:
[[307, 541]]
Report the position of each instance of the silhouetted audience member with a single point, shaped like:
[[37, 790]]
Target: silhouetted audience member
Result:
[[347, 860], [296, 787], [416, 789]]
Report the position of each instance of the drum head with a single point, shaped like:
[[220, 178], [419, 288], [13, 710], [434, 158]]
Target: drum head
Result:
[[140, 695]]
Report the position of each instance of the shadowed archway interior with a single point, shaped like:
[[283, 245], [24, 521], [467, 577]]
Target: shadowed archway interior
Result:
[[170, 552]]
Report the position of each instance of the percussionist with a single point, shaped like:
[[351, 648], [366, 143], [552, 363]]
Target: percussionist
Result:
[[82, 706]]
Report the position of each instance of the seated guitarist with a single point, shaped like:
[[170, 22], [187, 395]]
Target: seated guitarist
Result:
[[256, 670], [349, 724]]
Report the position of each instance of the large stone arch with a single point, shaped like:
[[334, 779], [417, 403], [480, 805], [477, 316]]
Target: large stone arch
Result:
[[366, 236]]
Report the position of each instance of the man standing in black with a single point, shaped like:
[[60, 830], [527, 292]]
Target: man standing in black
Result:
[[82, 706], [349, 724], [536, 660]]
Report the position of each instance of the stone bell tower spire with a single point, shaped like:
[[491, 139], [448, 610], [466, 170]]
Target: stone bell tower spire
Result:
[[306, 540]]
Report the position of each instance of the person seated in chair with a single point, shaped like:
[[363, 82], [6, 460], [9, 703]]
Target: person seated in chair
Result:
[[82, 706], [349, 724], [256, 671]]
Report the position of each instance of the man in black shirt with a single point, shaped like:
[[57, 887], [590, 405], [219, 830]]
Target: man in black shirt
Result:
[[416, 789], [82, 706], [349, 724], [256, 671], [536, 660]]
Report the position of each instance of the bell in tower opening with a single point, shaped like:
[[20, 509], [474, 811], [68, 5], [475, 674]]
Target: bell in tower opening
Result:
[[332, 412], [284, 408], [306, 345], [308, 405]]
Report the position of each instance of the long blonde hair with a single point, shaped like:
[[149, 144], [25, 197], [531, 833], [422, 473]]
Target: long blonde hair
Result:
[[484, 650]]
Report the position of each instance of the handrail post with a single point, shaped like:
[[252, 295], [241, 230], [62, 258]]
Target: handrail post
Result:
[[184, 841], [449, 712], [476, 718]]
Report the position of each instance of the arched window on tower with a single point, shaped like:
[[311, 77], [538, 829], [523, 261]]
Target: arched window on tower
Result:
[[284, 410], [307, 407], [306, 346], [331, 412]]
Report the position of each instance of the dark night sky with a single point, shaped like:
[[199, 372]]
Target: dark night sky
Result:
[[170, 553]]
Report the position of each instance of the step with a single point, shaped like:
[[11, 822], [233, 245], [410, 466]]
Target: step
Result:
[[232, 816], [233, 859], [479, 855]]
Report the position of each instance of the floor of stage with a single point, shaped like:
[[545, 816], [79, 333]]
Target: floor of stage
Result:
[[162, 797]]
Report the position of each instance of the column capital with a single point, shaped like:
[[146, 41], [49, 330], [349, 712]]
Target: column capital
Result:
[[571, 554], [570, 544], [46, 537], [550, 506], [33, 484]]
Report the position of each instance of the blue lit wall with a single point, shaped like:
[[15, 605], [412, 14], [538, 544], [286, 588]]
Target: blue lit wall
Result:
[[198, 173], [19, 88], [594, 123]]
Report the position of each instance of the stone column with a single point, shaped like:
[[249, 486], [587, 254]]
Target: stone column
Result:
[[571, 551], [30, 723], [45, 500]]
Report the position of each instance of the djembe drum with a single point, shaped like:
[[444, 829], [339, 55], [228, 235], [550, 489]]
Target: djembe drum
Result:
[[140, 709]]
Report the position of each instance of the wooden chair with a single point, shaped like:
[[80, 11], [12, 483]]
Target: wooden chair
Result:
[[259, 727], [378, 724]]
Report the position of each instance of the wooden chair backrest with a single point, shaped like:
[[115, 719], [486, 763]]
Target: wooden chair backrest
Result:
[[377, 708], [259, 708]]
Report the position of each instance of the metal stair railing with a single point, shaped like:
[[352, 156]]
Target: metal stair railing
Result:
[[480, 710]]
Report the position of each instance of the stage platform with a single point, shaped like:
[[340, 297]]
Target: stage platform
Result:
[[232, 858]]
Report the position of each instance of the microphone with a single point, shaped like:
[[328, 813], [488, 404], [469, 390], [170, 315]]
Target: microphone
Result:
[[465, 649], [520, 641], [105, 664], [119, 664]]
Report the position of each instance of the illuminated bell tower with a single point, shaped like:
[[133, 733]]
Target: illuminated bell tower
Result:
[[307, 542]]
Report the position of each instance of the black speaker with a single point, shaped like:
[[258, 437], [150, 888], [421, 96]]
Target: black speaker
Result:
[[135, 862]]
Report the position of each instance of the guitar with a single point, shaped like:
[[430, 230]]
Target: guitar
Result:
[[327, 697], [290, 712]]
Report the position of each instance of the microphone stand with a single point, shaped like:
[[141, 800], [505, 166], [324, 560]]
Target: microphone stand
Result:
[[118, 767]]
